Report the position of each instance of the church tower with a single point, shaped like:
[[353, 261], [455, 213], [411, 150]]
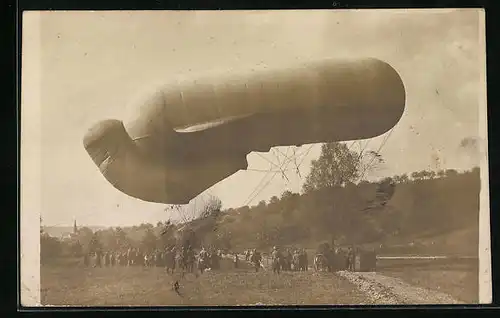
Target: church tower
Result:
[[75, 228]]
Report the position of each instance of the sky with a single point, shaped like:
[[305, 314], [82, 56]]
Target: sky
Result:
[[91, 65]]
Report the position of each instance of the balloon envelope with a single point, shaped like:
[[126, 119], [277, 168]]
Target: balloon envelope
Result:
[[190, 135]]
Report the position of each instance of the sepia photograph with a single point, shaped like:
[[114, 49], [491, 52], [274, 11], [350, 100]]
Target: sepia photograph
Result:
[[254, 158]]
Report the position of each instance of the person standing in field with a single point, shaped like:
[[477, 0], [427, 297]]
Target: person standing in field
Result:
[[106, 259], [351, 258], [112, 259], [236, 260], [98, 258], [277, 260], [86, 259], [255, 259], [129, 257]]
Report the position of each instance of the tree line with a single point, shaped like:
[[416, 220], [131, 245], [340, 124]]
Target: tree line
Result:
[[337, 202]]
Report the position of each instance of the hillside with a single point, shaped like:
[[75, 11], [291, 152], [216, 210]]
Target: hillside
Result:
[[435, 214]]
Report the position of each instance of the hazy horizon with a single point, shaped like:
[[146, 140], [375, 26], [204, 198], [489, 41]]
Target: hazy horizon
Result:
[[92, 64]]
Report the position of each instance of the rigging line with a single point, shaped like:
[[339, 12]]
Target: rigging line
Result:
[[255, 189], [277, 157], [294, 159], [274, 164], [181, 216], [262, 180], [352, 144], [262, 170], [263, 187], [258, 154], [285, 155], [305, 155], [270, 170], [378, 151], [283, 174], [362, 150], [295, 162], [310, 148], [366, 145], [267, 183], [286, 159], [276, 154]]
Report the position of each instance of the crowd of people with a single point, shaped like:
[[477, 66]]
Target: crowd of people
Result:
[[345, 258], [187, 260], [326, 259], [287, 260], [184, 258]]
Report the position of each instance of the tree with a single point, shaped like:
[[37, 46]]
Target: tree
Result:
[[211, 208], [261, 204], [425, 175], [336, 165], [50, 247], [385, 191], [146, 226], [404, 178], [451, 173], [243, 210], [324, 248], [95, 244], [476, 170], [186, 237], [441, 174], [286, 195], [85, 235], [224, 240], [417, 175], [274, 200], [76, 249], [167, 236], [202, 225], [121, 240], [149, 240]]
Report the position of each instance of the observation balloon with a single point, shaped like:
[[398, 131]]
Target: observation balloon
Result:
[[189, 135]]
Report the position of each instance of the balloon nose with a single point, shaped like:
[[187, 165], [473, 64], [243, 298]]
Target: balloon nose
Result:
[[105, 139]]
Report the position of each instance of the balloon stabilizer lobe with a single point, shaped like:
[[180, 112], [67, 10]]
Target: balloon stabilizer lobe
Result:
[[188, 136]]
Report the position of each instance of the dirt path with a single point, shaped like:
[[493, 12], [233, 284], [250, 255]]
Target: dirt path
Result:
[[381, 289], [390, 290]]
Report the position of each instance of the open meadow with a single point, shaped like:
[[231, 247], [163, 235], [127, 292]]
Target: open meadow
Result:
[[138, 286], [153, 287], [458, 278]]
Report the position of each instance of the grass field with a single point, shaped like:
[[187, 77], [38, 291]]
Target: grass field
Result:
[[63, 285], [459, 279]]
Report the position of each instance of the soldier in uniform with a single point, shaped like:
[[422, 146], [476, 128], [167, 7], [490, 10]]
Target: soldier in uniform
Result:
[[86, 259], [255, 259], [289, 259], [277, 259], [351, 259], [129, 257], [106, 259], [98, 258], [215, 260], [112, 259], [236, 260], [306, 260]]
